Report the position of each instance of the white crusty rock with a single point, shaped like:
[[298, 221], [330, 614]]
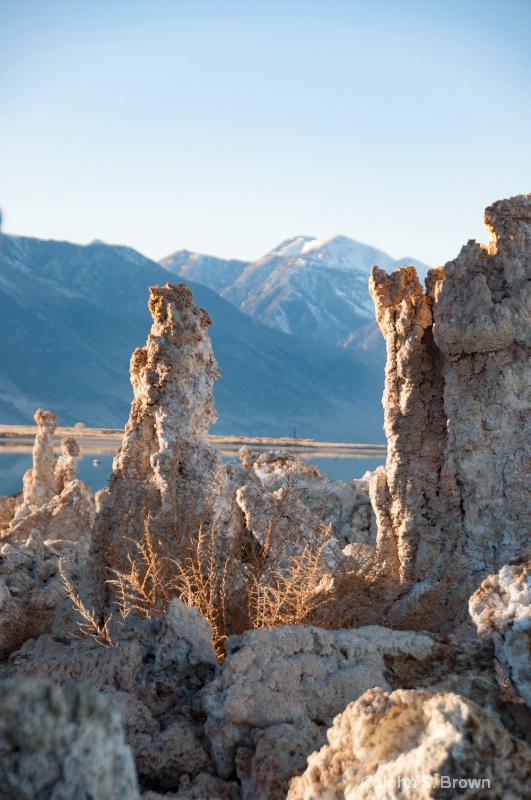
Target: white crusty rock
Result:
[[345, 506], [55, 505], [281, 522], [52, 524], [165, 470], [483, 327], [152, 676], [457, 405], [39, 481], [62, 743], [412, 496], [287, 684], [501, 609], [415, 744], [66, 466]]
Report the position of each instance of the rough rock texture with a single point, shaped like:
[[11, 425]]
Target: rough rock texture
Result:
[[66, 467], [39, 482], [412, 496], [278, 690], [53, 501], [52, 524], [345, 506], [31, 589], [457, 403], [501, 609], [67, 516], [8, 506], [203, 787], [279, 517], [61, 743], [410, 744], [483, 327], [152, 676], [292, 506], [165, 469]]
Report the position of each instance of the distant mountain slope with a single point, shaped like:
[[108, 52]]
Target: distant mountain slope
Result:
[[70, 317], [216, 273], [312, 288]]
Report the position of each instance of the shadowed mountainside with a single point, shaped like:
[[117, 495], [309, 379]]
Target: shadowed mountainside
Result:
[[71, 315]]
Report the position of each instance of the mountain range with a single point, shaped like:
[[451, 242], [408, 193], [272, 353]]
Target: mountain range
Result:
[[307, 287], [71, 315]]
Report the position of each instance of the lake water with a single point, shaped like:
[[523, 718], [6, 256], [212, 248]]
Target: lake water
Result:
[[14, 465]]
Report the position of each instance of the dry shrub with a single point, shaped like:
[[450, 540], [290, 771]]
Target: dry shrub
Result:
[[239, 583], [89, 625], [235, 582]]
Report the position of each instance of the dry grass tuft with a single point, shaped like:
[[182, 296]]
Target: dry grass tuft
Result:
[[236, 583], [239, 583], [89, 625]]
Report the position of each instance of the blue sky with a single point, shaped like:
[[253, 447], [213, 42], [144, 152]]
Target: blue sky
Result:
[[226, 127]]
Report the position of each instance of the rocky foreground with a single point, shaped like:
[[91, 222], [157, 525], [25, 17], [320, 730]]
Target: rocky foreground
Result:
[[258, 632]]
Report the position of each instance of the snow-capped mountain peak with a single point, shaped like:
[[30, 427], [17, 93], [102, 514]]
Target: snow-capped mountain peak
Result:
[[291, 247], [310, 287], [344, 253]]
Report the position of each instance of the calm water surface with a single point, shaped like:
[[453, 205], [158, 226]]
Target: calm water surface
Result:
[[14, 465]]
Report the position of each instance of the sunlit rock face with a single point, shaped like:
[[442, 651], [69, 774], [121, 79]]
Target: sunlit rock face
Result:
[[55, 504], [501, 609], [415, 744], [165, 470], [483, 328], [412, 497], [278, 691], [345, 506], [457, 404]]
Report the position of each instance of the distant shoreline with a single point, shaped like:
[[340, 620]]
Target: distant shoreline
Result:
[[19, 439]]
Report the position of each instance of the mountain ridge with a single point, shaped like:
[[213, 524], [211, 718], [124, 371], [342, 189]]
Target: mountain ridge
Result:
[[305, 286], [71, 315]]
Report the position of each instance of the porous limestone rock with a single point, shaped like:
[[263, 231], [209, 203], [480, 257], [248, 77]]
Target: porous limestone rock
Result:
[[281, 522], [8, 507], [287, 684], [457, 406], [55, 505], [166, 475], [164, 754], [483, 328], [501, 609], [39, 484], [61, 743], [202, 787], [345, 506], [31, 588], [152, 676], [52, 524], [411, 744], [412, 497], [66, 466], [273, 756], [67, 516]]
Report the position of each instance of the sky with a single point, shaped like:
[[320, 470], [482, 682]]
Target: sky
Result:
[[226, 126]]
